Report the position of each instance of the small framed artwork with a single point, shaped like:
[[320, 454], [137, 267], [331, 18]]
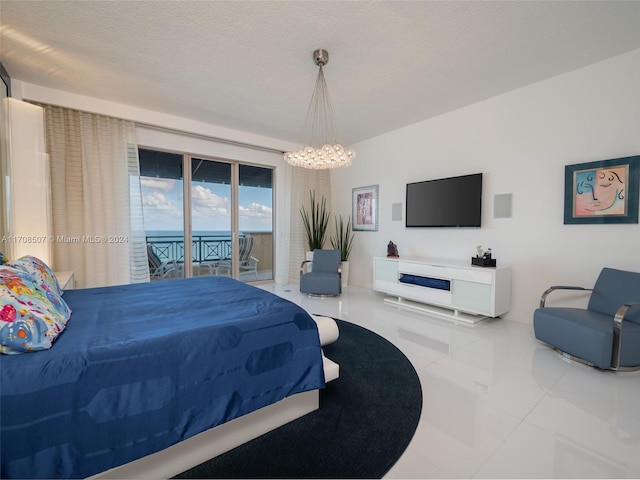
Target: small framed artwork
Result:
[[364, 206], [605, 191]]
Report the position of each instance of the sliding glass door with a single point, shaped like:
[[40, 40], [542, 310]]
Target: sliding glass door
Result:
[[211, 217], [229, 211], [255, 223], [162, 182]]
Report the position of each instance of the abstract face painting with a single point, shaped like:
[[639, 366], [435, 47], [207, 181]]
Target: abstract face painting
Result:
[[600, 191], [605, 191]]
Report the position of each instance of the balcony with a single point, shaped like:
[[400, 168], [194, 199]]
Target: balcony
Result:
[[210, 249]]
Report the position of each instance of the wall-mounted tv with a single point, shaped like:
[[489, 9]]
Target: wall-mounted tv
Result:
[[445, 202]]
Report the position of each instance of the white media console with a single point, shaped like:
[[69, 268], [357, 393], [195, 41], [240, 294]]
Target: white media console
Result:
[[458, 291]]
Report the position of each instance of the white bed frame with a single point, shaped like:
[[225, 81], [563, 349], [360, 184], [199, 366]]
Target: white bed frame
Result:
[[216, 441], [213, 442]]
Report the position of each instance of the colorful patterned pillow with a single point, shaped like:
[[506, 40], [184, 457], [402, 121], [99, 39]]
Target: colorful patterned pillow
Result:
[[30, 317], [43, 274]]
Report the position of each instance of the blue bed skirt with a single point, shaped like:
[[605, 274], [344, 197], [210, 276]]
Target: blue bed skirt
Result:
[[141, 367]]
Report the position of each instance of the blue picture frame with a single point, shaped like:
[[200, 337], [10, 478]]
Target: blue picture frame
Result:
[[602, 192]]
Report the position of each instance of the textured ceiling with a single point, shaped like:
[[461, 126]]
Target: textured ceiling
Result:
[[247, 65]]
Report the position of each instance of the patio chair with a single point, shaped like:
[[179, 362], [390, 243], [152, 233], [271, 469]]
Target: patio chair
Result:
[[159, 270], [246, 261]]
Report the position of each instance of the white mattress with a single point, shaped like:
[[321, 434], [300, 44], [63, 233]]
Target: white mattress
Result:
[[328, 332], [327, 328]]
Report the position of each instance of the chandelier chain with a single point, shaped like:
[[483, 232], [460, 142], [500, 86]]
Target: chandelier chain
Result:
[[321, 150]]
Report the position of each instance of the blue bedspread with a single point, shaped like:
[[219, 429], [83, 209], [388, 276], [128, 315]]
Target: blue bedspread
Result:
[[141, 367]]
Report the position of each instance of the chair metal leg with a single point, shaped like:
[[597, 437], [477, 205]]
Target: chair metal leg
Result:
[[573, 358]]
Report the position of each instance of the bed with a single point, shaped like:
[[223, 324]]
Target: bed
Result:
[[143, 367]]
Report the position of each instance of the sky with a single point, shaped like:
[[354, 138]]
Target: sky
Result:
[[211, 206]]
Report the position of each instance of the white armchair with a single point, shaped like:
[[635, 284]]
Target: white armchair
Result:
[[246, 261], [160, 270]]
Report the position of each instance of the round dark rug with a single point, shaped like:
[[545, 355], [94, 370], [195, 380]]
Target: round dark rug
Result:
[[365, 422]]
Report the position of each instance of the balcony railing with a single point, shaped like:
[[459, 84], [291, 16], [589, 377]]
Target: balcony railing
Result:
[[204, 248], [212, 248]]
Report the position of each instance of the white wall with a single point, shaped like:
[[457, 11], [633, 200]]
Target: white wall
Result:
[[27, 164], [521, 142]]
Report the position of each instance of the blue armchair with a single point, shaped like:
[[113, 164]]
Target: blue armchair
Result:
[[324, 279], [607, 333]]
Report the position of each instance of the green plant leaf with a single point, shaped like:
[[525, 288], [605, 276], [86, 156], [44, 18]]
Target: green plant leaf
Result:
[[315, 221], [342, 238]]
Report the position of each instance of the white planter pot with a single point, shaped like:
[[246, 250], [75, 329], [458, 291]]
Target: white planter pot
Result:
[[308, 256], [344, 266]]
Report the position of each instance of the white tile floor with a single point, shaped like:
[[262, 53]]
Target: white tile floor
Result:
[[497, 403]]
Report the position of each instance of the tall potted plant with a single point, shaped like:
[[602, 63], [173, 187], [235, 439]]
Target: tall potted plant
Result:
[[342, 240], [315, 222]]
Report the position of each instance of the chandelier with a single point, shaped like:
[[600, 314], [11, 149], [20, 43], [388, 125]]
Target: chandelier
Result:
[[321, 150]]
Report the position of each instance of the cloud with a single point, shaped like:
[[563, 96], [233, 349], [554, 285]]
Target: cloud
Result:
[[157, 202], [205, 203], [256, 210], [210, 211], [164, 184]]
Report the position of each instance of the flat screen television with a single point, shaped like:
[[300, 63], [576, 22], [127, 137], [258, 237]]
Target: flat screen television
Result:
[[445, 202]]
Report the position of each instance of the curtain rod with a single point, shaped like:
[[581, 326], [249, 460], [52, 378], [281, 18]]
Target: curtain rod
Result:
[[171, 130], [208, 137]]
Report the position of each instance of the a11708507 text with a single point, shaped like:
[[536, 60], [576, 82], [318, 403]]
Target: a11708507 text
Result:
[[35, 239]]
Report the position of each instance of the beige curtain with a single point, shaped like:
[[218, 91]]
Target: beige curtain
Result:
[[304, 181], [96, 198]]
